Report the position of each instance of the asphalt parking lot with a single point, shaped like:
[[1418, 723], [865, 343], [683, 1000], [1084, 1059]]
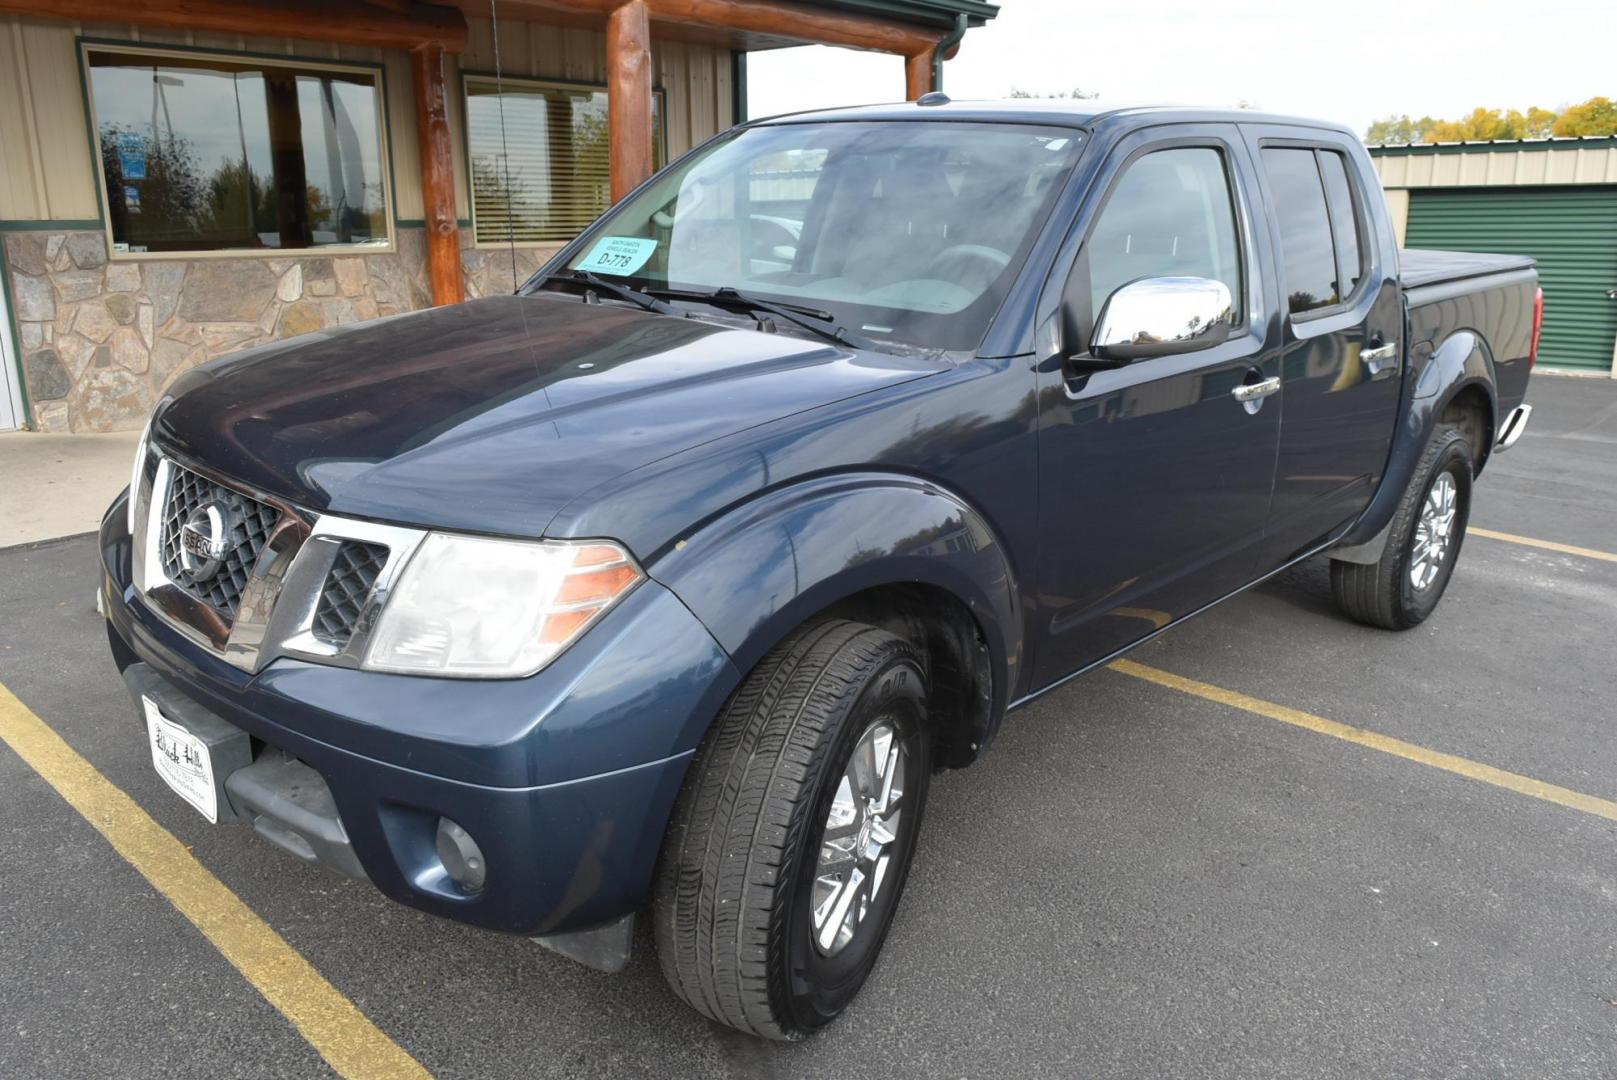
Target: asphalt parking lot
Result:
[[1139, 880]]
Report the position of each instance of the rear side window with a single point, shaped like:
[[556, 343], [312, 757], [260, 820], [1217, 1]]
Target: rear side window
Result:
[[1307, 252], [1344, 222], [1170, 215]]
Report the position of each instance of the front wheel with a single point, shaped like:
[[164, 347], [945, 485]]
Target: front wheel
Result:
[[793, 835], [1402, 588]]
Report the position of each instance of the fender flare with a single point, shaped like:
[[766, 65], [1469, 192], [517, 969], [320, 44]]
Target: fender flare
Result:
[[1462, 361], [763, 568]]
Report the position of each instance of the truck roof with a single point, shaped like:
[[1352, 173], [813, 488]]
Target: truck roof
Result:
[[1065, 112]]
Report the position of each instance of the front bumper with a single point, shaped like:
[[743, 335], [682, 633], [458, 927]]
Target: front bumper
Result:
[[565, 780]]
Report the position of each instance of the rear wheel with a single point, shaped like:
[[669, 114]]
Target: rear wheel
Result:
[[792, 838], [1402, 588]]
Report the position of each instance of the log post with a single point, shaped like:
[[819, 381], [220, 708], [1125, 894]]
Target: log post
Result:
[[437, 176], [628, 95], [917, 75]]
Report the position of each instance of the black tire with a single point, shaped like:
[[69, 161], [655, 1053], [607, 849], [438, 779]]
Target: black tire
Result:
[[732, 904], [1382, 593]]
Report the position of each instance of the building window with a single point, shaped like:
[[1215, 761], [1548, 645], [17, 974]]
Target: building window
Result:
[[540, 158], [203, 152]]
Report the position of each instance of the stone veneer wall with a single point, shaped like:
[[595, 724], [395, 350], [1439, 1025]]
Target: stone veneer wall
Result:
[[102, 339]]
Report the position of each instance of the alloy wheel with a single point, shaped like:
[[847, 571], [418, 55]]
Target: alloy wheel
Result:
[[860, 829], [1434, 532]]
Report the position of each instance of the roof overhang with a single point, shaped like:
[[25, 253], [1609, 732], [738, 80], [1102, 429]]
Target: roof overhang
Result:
[[906, 27]]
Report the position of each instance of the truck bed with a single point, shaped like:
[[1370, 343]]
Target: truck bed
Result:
[[1451, 293], [1419, 266]]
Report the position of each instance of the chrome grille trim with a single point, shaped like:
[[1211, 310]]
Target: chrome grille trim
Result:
[[247, 523], [274, 613]]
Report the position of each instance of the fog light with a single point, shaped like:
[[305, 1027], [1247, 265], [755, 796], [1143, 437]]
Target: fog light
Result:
[[461, 856]]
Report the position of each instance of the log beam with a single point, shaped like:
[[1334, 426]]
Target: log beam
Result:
[[776, 18], [437, 177], [628, 95], [385, 26]]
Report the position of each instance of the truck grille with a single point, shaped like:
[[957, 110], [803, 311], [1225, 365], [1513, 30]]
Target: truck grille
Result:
[[245, 524], [347, 587]]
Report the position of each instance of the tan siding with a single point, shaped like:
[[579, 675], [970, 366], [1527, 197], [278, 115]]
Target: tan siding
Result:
[[1532, 168], [18, 183], [1398, 211], [406, 151], [46, 169], [1499, 168]]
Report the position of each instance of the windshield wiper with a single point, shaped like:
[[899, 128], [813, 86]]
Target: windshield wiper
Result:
[[586, 280], [813, 320]]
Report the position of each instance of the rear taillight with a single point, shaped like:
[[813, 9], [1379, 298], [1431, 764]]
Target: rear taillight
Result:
[[1538, 329]]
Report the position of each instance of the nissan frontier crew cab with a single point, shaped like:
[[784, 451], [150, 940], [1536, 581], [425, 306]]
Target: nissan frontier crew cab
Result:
[[661, 588]]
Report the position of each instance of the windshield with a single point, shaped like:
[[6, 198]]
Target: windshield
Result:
[[902, 232]]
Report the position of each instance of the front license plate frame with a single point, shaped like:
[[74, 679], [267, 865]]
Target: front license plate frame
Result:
[[182, 760]]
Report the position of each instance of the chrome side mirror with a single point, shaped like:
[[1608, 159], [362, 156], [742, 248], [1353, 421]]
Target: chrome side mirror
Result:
[[1161, 317]]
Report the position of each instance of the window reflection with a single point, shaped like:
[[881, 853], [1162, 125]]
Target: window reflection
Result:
[[1170, 215], [1307, 255], [1344, 224], [216, 153]]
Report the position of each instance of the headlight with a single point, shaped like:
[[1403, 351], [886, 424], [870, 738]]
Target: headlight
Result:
[[135, 470], [471, 606]]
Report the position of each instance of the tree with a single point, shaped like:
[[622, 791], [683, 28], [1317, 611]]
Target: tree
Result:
[[1074, 93], [1597, 116], [1539, 123], [1479, 124], [1399, 129]]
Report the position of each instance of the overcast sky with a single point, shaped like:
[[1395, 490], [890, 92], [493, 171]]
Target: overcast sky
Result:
[[1350, 62]]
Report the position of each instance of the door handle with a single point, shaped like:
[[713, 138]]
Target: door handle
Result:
[[1256, 391], [1380, 360]]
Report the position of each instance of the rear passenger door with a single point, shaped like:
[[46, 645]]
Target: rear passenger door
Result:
[[1342, 323]]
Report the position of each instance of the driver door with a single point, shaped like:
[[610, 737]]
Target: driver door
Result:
[[1155, 477]]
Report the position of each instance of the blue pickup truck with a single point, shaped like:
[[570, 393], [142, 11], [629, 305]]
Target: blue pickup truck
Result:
[[660, 588]]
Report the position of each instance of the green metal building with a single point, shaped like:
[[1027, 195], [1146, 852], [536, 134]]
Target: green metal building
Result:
[[1553, 199]]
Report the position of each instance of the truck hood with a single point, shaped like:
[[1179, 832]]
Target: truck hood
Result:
[[490, 416]]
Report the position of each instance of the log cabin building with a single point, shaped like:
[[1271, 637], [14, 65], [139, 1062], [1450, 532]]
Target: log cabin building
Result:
[[180, 179]]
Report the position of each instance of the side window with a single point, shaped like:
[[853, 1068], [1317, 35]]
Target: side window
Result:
[[1344, 222], [1320, 246], [1171, 215]]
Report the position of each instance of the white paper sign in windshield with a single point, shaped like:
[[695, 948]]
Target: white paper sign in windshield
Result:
[[621, 255]]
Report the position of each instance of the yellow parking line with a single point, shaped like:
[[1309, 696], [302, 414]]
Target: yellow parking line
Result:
[[1471, 770], [333, 1025], [1547, 545]]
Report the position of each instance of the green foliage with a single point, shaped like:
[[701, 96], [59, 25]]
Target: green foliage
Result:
[[1399, 129], [1597, 116]]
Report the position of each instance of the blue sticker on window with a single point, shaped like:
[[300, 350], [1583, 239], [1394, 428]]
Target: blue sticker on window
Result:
[[131, 155], [620, 255]]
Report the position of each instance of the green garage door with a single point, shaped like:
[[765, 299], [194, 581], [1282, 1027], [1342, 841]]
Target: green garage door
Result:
[[1571, 231]]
